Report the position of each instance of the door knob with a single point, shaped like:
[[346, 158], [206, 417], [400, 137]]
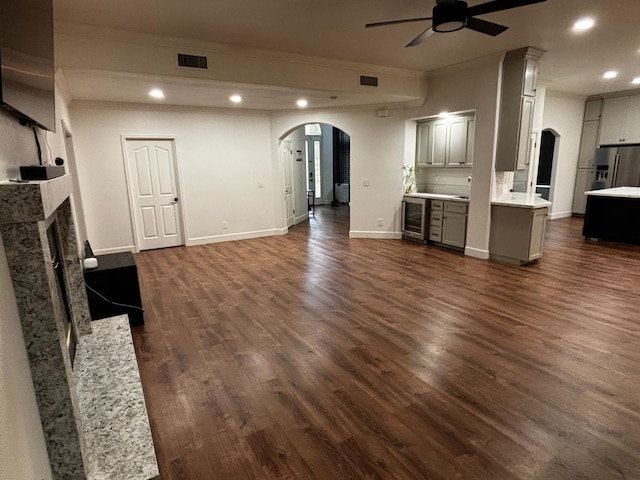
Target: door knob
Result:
[[176, 199]]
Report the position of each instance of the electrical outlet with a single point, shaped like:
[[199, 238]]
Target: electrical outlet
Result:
[[260, 183], [380, 222], [225, 225], [365, 182]]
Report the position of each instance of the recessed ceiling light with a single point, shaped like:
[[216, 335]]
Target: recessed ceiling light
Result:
[[156, 93], [610, 74], [443, 114], [235, 98], [302, 103], [636, 81], [584, 24]]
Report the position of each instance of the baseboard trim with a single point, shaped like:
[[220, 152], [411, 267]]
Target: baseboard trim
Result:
[[556, 216], [476, 253], [237, 236], [376, 235], [301, 218], [106, 251]]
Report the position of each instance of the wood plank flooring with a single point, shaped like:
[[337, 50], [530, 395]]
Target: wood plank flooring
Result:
[[316, 356]]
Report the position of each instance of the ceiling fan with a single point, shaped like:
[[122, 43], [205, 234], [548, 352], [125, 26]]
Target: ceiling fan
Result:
[[453, 15]]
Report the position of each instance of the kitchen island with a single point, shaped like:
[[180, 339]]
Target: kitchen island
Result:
[[613, 214]]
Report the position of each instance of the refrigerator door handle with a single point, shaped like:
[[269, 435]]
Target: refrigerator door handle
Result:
[[616, 163]]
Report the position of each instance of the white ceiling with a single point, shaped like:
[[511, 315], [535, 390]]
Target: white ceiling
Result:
[[574, 62]]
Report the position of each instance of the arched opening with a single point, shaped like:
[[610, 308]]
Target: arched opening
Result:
[[316, 165], [546, 160]]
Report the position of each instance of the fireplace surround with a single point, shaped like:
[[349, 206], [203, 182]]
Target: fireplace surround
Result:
[[27, 213]]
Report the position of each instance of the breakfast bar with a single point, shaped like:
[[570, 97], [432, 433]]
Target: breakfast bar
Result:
[[613, 214]]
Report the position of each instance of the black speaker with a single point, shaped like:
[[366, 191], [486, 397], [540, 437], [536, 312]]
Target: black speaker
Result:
[[40, 172]]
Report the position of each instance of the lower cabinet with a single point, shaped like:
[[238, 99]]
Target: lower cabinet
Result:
[[517, 234], [454, 229], [584, 179], [448, 223]]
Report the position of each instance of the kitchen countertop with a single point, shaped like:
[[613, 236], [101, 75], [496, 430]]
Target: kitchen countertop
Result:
[[439, 196], [521, 200], [622, 192]]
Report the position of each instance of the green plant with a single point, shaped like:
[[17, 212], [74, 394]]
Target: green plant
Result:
[[409, 178]]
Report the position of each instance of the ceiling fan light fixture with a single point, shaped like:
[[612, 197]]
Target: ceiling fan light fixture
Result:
[[449, 18]]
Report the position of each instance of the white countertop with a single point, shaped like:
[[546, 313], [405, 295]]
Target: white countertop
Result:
[[438, 196], [622, 192], [522, 200]]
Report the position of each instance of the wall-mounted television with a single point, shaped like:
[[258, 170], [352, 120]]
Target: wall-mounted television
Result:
[[26, 57]]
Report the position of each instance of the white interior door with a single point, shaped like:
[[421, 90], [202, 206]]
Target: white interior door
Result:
[[153, 189], [287, 163]]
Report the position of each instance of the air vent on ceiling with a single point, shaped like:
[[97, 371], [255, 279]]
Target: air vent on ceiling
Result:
[[191, 61], [368, 81]]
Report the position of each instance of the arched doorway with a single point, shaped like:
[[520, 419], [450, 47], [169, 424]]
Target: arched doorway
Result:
[[316, 165], [546, 161]]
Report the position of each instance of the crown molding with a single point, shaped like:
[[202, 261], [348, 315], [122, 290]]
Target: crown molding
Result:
[[199, 46]]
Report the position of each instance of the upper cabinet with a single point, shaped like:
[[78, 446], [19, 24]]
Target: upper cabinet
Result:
[[519, 73], [593, 110], [588, 144], [620, 122], [446, 142]]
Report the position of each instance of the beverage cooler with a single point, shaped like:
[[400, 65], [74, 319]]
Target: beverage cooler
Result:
[[414, 219]]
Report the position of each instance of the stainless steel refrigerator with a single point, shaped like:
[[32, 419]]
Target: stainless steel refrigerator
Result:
[[617, 167]]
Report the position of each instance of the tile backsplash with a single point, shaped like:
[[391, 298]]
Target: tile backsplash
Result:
[[452, 181]]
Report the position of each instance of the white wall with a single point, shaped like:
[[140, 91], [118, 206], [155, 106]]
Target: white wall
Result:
[[564, 113], [23, 454], [377, 146], [473, 88], [222, 156]]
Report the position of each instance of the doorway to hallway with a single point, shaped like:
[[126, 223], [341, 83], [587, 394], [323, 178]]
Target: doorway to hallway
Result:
[[316, 168]]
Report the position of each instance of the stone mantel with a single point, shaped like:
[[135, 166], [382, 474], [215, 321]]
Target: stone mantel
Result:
[[33, 201], [27, 213]]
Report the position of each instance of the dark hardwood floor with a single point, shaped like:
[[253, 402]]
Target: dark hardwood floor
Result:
[[316, 356]]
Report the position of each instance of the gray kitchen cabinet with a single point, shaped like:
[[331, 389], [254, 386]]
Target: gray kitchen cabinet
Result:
[[431, 143], [588, 144], [454, 224], [424, 140], [460, 141], [439, 149], [446, 142], [454, 229], [592, 110], [516, 109], [584, 178], [517, 234], [448, 223], [587, 155], [435, 221], [620, 122]]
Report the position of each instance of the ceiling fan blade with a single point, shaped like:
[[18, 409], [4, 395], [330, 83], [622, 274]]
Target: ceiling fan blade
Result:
[[483, 26], [420, 38], [498, 5], [394, 22]]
